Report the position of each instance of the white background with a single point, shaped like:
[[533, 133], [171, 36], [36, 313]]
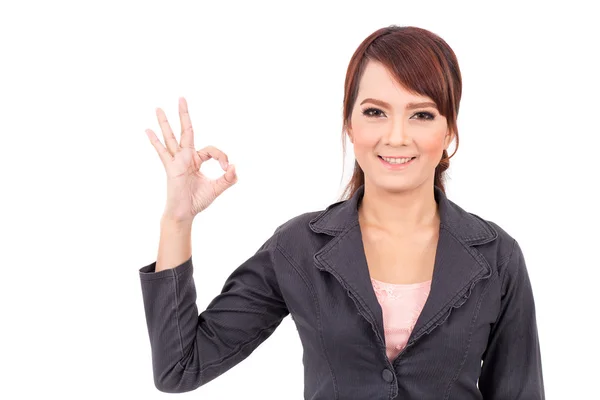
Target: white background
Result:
[[83, 189]]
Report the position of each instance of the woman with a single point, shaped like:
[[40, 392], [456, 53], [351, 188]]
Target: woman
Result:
[[395, 290]]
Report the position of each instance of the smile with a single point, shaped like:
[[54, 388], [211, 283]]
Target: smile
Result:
[[396, 163]]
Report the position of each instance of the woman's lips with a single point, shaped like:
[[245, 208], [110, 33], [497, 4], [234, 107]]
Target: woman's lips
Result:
[[395, 167]]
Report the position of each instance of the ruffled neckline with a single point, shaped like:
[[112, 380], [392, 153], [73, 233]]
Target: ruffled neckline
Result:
[[401, 285]]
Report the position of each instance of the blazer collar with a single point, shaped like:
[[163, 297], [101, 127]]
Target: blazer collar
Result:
[[458, 264]]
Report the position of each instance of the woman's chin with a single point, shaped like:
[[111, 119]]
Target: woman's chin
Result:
[[393, 184]]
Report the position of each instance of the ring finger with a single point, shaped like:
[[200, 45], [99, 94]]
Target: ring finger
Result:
[[167, 132]]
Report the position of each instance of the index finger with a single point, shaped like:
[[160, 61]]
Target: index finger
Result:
[[187, 133]]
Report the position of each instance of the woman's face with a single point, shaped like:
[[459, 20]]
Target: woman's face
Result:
[[388, 121]]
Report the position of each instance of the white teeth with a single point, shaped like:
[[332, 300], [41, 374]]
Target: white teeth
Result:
[[396, 160]]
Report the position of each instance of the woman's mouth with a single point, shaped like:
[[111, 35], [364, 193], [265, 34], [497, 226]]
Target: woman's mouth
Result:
[[396, 163]]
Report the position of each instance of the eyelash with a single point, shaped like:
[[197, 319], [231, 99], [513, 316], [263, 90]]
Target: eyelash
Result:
[[365, 112]]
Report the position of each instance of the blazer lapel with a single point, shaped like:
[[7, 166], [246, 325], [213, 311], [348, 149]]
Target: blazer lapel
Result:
[[344, 257], [457, 268]]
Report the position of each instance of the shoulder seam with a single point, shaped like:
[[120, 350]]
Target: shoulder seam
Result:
[[506, 262]]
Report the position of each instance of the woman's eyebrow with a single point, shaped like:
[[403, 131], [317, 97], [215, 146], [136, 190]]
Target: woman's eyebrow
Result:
[[409, 106]]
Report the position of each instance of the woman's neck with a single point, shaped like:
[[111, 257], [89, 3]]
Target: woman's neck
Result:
[[399, 212]]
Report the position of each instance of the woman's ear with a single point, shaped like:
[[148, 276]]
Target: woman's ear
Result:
[[349, 130], [448, 139]]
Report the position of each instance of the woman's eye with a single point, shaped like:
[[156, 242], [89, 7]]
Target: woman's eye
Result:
[[372, 112], [375, 112], [428, 116]]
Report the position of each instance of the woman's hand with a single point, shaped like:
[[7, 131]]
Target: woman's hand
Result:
[[188, 190]]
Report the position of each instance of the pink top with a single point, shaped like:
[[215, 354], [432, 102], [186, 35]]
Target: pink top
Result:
[[401, 305]]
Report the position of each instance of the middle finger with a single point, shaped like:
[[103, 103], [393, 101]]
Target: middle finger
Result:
[[187, 133]]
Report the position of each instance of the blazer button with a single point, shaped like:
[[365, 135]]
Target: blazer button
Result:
[[387, 375]]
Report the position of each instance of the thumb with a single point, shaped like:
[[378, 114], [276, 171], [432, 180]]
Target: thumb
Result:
[[225, 181]]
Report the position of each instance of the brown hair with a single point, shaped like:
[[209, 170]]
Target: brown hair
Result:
[[424, 64]]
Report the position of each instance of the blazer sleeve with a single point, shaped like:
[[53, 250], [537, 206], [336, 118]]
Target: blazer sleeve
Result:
[[189, 350], [512, 363]]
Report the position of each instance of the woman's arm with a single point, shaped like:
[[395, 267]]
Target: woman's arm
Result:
[[175, 245], [512, 363], [190, 350]]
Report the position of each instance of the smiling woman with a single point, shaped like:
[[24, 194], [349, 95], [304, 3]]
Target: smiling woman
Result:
[[406, 133], [396, 291], [401, 99]]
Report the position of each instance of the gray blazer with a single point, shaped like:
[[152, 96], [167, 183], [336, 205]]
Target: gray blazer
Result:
[[476, 337]]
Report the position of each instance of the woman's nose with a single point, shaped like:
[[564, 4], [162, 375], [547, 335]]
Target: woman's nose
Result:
[[398, 134]]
